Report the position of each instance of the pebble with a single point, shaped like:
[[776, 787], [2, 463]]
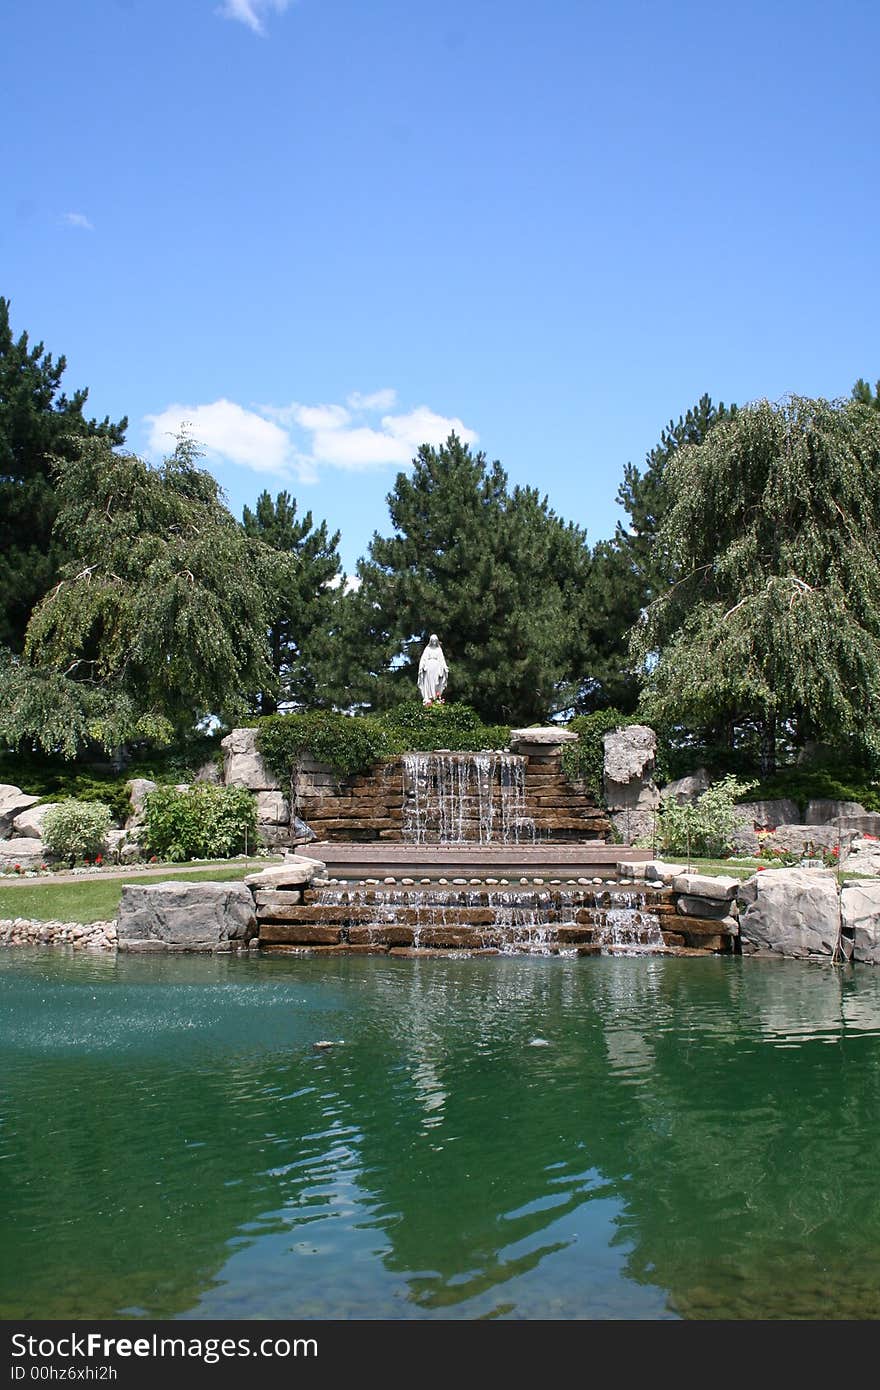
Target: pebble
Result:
[[408, 882], [459, 880], [491, 880], [389, 880]]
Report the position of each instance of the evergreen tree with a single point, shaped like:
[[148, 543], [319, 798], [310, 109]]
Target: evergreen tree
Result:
[[862, 393], [630, 570], [160, 620], [497, 575], [38, 423], [773, 533], [304, 604]]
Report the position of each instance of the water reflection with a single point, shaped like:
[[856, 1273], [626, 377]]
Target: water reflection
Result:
[[696, 1138]]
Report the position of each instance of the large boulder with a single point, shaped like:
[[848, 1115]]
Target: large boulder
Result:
[[243, 766], [808, 841], [30, 823], [863, 856], [297, 871], [790, 912], [23, 852], [12, 802], [824, 811], [540, 739], [686, 790], [177, 916], [767, 815], [630, 793], [138, 790], [860, 912], [273, 808]]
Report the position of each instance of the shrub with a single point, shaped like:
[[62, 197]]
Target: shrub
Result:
[[352, 743], [200, 822], [412, 727], [73, 829], [704, 827], [349, 743]]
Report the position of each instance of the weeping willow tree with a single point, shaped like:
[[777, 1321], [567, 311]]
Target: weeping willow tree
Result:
[[160, 619], [774, 614]]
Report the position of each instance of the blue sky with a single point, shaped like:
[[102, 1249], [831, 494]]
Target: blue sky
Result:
[[323, 230]]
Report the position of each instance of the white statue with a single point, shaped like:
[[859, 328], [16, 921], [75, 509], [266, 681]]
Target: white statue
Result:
[[433, 672]]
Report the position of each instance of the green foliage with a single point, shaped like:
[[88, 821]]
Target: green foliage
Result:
[[495, 573], [302, 603], [201, 822], [412, 727], [159, 622], [629, 571], [346, 742], [73, 829], [38, 424], [705, 826], [773, 529], [863, 393], [584, 761], [352, 743]]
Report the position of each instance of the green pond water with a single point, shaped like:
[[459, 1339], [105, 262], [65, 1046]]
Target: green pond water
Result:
[[507, 1138]]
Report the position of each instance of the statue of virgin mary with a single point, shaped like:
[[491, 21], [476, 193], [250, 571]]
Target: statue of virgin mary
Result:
[[433, 671]]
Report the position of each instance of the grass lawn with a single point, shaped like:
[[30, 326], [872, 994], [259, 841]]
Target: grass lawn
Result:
[[735, 869], [94, 899]]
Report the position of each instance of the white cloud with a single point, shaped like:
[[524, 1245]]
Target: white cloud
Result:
[[299, 440], [78, 219], [321, 417], [227, 430], [379, 400], [424, 426], [250, 12], [358, 448]]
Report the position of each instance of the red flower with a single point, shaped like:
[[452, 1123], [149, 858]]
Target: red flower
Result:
[[761, 868], [99, 859]]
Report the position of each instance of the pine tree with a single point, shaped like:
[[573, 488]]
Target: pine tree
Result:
[[38, 423], [773, 533], [863, 393], [496, 574], [303, 607]]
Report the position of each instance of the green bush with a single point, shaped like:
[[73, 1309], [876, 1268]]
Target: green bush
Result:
[[200, 822], [352, 743], [348, 743], [704, 827], [74, 829], [415, 728]]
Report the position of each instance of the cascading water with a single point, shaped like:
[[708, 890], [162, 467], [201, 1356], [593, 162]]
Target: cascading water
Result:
[[465, 798], [523, 918]]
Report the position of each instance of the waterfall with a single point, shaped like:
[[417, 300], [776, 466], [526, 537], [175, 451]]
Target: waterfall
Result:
[[462, 798]]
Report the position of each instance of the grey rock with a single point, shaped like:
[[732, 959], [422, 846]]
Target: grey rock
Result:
[[24, 851], [12, 802], [546, 735], [827, 812], [113, 842], [138, 790], [767, 815], [131, 852], [794, 912], [633, 825], [686, 790], [707, 886], [30, 823], [744, 841], [186, 916], [209, 772], [863, 857], [273, 808], [860, 911], [803, 839], [688, 906], [868, 824], [295, 872], [242, 765], [630, 755]]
